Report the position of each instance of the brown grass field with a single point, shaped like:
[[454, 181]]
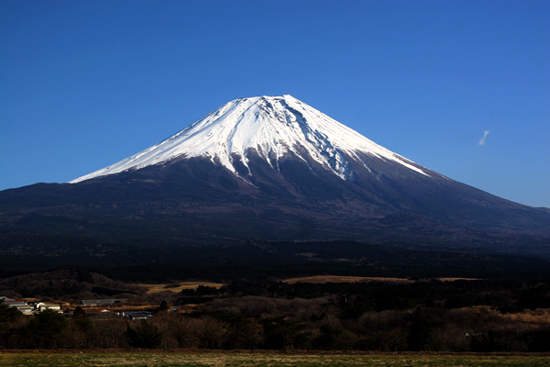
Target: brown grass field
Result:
[[177, 287], [195, 359], [318, 279]]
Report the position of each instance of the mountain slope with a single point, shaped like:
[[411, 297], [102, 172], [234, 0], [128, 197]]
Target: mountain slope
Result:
[[271, 168]]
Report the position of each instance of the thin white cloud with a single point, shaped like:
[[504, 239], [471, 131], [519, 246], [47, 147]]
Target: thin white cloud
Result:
[[482, 140]]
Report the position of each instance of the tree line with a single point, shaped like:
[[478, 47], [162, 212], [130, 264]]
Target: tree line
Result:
[[463, 316]]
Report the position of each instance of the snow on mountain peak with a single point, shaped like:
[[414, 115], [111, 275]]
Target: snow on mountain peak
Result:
[[272, 126]]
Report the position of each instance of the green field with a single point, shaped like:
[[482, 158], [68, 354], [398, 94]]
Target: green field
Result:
[[8, 359]]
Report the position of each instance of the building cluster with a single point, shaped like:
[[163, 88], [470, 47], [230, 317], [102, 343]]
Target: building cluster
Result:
[[29, 308]]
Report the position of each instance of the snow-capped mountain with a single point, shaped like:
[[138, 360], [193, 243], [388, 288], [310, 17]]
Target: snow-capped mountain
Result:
[[273, 127], [270, 168]]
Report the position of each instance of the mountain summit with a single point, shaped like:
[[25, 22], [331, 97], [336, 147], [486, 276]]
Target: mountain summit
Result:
[[268, 168], [271, 128]]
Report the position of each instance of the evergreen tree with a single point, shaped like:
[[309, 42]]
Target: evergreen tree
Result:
[[45, 329]]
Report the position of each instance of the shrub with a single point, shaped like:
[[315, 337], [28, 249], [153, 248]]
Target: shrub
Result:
[[145, 336], [331, 338]]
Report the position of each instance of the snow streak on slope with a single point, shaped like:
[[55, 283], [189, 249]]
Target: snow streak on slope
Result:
[[273, 127]]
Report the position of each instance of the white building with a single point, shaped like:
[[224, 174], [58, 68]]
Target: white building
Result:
[[41, 306]]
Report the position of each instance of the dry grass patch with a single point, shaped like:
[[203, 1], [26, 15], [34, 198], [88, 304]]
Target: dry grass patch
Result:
[[177, 287], [538, 316], [319, 279]]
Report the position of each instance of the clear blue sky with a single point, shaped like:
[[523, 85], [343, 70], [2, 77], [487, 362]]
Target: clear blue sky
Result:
[[84, 84]]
